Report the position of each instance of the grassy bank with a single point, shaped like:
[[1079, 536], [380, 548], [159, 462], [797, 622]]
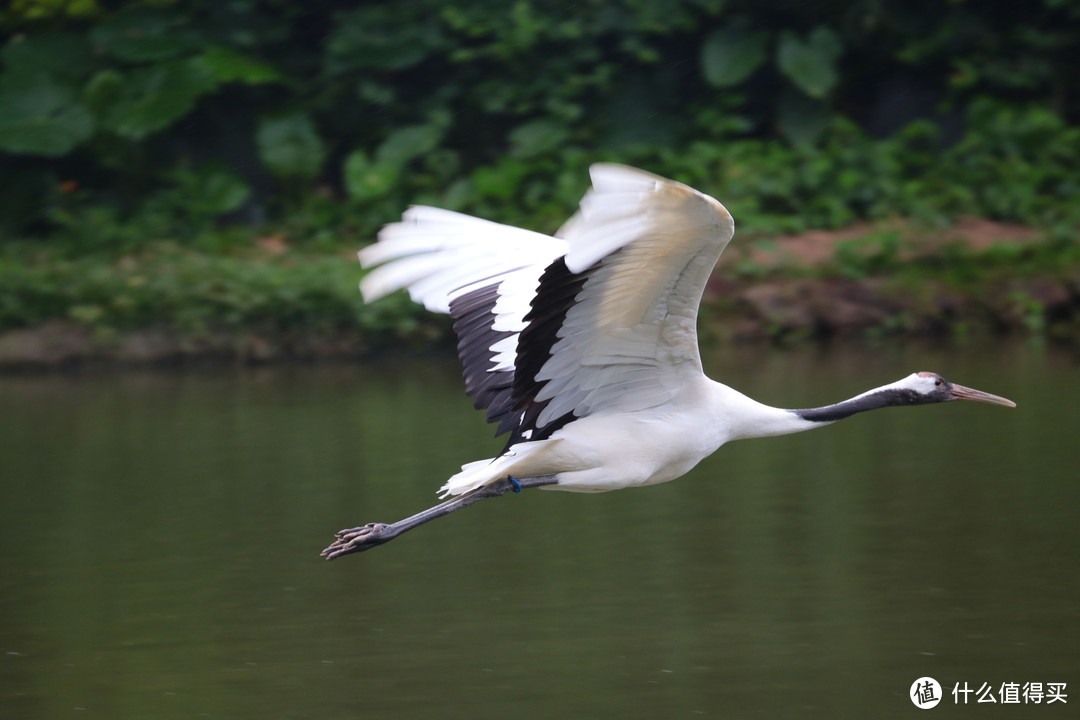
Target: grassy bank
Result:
[[265, 302]]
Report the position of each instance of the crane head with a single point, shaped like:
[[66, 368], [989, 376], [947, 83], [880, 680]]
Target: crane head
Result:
[[931, 387]]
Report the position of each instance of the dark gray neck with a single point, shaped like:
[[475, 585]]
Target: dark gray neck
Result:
[[861, 403]]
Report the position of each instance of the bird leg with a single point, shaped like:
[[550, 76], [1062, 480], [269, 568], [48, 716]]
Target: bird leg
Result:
[[365, 537]]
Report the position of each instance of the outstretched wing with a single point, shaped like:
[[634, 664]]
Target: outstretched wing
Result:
[[600, 318], [613, 325]]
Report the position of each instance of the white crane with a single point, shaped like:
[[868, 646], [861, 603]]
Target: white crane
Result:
[[583, 346]]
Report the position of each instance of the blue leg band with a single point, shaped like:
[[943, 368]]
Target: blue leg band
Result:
[[517, 485]]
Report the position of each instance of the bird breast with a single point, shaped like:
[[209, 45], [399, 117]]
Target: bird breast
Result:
[[609, 452]]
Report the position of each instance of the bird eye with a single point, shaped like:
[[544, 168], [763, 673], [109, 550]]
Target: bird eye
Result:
[[937, 383]]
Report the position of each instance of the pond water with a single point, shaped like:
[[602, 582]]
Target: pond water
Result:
[[160, 535]]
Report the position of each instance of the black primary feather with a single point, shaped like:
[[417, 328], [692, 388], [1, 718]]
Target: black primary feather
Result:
[[474, 313], [509, 396], [558, 292]]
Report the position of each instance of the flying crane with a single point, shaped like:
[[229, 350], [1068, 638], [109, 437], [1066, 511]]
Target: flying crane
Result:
[[583, 345]]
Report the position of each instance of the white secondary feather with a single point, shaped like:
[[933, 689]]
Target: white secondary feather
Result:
[[434, 253]]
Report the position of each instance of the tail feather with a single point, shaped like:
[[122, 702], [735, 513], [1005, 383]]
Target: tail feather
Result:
[[520, 461]]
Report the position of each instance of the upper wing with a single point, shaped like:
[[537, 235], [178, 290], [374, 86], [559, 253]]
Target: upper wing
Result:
[[595, 319], [615, 318]]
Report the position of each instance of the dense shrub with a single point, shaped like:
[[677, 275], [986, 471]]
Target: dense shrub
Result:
[[124, 122]]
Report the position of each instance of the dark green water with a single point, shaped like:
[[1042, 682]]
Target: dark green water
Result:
[[160, 535]]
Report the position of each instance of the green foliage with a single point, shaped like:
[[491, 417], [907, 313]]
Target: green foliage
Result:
[[190, 293], [228, 65], [151, 98], [208, 191], [732, 53], [40, 117], [366, 179], [1013, 165], [185, 207], [331, 117], [873, 254], [375, 37], [139, 33], [171, 288], [289, 145], [810, 63]]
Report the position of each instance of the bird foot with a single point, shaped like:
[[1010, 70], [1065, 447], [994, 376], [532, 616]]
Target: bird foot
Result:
[[358, 539]]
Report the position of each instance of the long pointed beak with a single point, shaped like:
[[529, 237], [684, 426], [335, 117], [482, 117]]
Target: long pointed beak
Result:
[[959, 392]]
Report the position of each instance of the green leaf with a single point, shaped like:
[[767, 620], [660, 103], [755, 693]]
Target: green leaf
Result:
[[228, 65], [224, 192], [810, 63], [376, 92], [145, 34], [799, 118], [40, 117], [538, 136], [732, 54], [503, 180], [389, 37], [289, 145], [635, 118], [403, 145], [104, 90], [365, 180], [212, 190], [56, 54], [154, 97]]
